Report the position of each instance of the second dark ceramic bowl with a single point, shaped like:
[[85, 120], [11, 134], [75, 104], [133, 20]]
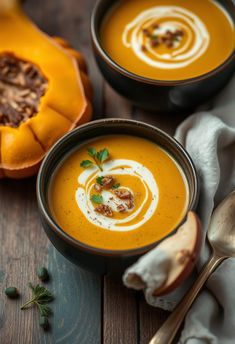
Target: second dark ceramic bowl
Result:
[[99, 260], [160, 96]]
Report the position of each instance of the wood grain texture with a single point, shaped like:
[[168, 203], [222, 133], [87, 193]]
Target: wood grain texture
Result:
[[77, 306], [23, 246], [120, 313], [150, 319], [115, 105]]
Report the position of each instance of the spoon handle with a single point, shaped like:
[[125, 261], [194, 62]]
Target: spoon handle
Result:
[[168, 330]]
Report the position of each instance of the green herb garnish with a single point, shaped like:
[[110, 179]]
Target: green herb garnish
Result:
[[12, 292], [98, 157], [99, 180], [97, 199], [44, 323], [116, 186], [42, 273], [40, 297], [86, 163], [92, 152], [102, 155]]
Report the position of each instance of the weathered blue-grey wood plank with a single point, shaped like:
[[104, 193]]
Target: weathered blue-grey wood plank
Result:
[[24, 247], [77, 306]]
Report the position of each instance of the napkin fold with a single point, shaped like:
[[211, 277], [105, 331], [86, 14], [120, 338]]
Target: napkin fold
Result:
[[209, 137]]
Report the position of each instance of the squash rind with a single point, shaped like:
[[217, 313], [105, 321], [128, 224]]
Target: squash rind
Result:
[[63, 106]]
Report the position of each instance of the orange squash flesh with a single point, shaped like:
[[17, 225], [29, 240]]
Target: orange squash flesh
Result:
[[64, 104]]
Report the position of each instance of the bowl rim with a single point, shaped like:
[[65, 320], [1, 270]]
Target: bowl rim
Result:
[[118, 68], [47, 216]]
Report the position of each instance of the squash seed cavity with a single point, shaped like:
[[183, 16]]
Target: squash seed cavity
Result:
[[22, 85]]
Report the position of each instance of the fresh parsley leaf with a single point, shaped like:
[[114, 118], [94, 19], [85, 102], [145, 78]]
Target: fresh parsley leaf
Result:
[[99, 180], [103, 155], [116, 186], [97, 199], [98, 157], [86, 163], [40, 297], [92, 152], [44, 310], [41, 293]]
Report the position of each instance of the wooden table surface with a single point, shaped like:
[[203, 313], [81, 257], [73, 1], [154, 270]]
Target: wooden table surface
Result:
[[87, 309]]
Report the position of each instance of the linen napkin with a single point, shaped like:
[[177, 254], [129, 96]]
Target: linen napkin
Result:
[[209, 137]]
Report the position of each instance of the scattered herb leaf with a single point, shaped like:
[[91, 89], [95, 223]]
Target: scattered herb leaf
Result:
[[116, 186], [86, 163], [42, 273], [40, 297], [97, 199], [44, 323], [12, 292], [44, 310]]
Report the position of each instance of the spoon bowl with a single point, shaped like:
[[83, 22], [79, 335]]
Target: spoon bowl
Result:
[[221, 233], [221, 236]]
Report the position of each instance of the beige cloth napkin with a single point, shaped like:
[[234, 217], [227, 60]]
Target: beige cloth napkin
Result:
[[209, 137]]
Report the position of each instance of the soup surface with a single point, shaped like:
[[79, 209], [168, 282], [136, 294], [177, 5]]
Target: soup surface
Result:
[[168, 39], [136, 196]]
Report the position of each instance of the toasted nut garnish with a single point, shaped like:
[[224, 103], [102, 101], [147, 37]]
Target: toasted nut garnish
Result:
[[130, 203], [123, 194], [108, 181], [104, 210], [121, 208]]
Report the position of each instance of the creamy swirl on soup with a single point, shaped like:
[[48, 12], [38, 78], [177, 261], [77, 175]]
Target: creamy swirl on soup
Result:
[[168, 39], [126, 216], [180, 32], [118, 192]]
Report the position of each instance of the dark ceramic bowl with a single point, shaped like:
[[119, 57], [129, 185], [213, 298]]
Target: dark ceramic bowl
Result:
[[103, 261], [160, 96]]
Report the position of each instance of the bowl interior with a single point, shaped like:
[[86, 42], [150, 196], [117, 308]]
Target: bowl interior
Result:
[[100, 10], [94, 129]]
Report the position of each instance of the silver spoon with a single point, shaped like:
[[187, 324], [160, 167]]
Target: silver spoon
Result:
[[221, 236]]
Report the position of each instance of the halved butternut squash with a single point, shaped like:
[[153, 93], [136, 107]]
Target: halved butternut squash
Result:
[[33, 117]]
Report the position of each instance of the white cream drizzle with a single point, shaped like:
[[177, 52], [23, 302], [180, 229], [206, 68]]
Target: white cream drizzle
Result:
[[196, 33], [115, 167]]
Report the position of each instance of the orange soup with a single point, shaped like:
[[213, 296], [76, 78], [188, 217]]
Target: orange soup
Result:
[[168, 39], [118, 192]]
